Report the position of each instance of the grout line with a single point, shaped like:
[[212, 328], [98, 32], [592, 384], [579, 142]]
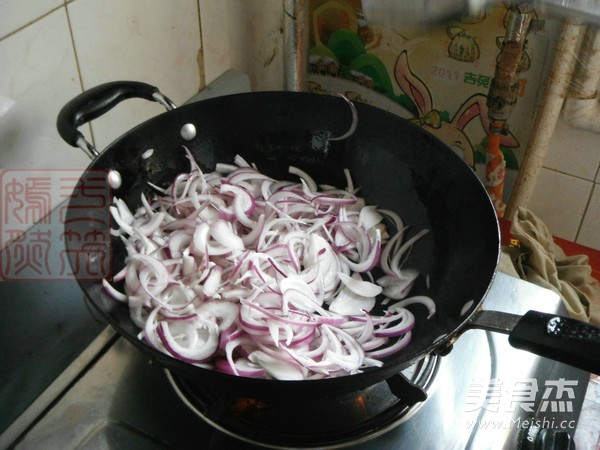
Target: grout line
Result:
[[589, 198], [571, 175], [200, 56], [585, 211], [587, 204], [37, 19], [72, 35], [74, 48]]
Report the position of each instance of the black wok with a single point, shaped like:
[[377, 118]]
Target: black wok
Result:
[[397, 165]]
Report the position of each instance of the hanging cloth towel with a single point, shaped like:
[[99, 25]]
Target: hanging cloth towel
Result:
[[541, 261]]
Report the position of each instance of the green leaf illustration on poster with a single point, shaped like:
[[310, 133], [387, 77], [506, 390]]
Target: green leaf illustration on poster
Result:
[[371, 66], [346, 45]]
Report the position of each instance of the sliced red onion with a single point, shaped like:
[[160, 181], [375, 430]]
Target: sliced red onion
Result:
[[276, 368], [392, 349], [125, 227], [422, 299], [178, 242], [113, 292], [349, 182], [287, 319], [405, 324], [149, 330], [374, 343], [264, 278], [346, 352], [368, 261], [124, 211], [213, 281], [243, 203], [310, 182], [348, 303], [354, 124], [369, 217], [398, 286], [197, 352], [224, 235], [359, 287], [243, 368], [225, 169], [395, 261]]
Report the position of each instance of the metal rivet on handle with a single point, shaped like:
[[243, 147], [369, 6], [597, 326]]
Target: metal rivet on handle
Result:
[[114, 179], [188, 131]]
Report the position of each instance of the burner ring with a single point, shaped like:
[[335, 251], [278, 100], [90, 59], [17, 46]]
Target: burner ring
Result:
[[371, 412]]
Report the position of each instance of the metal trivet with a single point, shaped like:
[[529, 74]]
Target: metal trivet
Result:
[[331, 423]]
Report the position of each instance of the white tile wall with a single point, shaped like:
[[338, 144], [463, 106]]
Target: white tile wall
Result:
[[246, 36], [589, 233], [51, 49], [573, 151], [560, 201], [19, 14], [38, 75], [567, 192], [127, 40]]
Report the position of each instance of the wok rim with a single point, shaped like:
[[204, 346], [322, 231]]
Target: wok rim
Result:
[[391, 365]]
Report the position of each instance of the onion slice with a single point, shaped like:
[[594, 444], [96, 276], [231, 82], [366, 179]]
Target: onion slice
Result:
[[255, 277]]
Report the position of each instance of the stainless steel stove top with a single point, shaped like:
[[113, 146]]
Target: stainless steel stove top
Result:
[[478, 399]]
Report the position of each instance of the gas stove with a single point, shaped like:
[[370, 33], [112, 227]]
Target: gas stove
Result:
[[483, 394], [83, 386]]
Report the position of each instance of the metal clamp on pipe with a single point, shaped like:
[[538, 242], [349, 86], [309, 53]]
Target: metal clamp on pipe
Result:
[[504, 88], [502, 98]]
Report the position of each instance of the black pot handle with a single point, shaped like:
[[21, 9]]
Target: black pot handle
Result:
[[566, 340], [95, 102], [559, 338]]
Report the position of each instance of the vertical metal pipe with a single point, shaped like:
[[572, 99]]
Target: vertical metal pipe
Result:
[[502, 98], [547, 116], [582, 106], [296, 29], [503, 91]]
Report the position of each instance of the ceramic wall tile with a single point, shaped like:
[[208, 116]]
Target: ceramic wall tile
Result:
[[14, 15], [246, 36], [559, 200], [155, 42], [589, 234], [573, 151], [37, 74]]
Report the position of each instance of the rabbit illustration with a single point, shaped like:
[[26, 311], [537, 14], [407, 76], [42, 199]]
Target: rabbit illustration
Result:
[[431, 120]]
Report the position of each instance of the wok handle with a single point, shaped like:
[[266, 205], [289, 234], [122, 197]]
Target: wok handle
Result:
[[562, 339], [95, 102]]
